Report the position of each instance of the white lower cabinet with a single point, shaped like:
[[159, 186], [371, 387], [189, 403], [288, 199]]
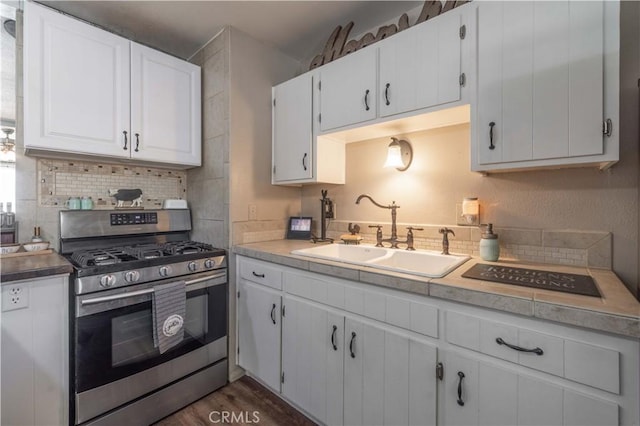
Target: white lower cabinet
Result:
[[481, 393], [388, 378], [312, 359], [259, 332], [35, 351], [357, 354]]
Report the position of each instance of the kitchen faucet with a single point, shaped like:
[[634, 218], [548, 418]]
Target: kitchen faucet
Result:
[[394, 230]]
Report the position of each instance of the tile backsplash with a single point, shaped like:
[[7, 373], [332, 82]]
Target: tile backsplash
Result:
[[60, 179]]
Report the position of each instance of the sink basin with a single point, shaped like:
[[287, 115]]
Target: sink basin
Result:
[[343, 253], [420, 262]]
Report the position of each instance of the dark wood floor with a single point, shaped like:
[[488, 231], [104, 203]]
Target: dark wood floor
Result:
[[247, 400]]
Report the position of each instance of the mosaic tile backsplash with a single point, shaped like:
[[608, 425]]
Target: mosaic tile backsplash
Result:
[[61, 179]]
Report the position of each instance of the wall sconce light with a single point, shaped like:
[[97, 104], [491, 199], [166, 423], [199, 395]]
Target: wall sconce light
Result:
[[471, 211], [399, 155]]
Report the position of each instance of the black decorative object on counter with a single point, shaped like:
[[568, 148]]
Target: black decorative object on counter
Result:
[[546, 280]]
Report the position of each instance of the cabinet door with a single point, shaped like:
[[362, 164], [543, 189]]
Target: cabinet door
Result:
[[348, 90], [76, 83], [165, 108], [35, 352], [259, 332], [389, 379], [540, 80], [292, 129], [312, 359], [420, 67], [488, 394]]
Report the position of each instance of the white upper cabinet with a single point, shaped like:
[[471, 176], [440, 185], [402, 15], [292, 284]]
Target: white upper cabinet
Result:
[[420, 67], [299, 155], [165, 108], [91, 93], [292, 129], [76, 85], [348, 90], [543, 84]]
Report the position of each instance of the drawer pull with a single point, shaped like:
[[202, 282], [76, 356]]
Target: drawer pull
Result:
[[491, 145], [460, 376], [536, 351], [257, 275], [333, 338], [273, 313], [353, 338]]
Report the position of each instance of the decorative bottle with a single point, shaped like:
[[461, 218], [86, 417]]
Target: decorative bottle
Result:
[[489, 246]]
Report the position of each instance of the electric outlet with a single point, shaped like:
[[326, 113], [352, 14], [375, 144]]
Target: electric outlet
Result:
[[253, 212], [14, 297]]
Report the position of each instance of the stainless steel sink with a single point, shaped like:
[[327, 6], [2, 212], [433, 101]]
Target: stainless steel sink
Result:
[[420, 262]]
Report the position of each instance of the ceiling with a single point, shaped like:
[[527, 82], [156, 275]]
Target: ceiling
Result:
[[298, 28]]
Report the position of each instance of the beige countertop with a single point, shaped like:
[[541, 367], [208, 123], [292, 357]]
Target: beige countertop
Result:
[[617, 311], [35, 266]]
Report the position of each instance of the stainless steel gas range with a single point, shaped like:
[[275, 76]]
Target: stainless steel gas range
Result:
[[118, 376]]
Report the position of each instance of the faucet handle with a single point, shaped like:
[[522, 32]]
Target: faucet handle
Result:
[[413, 228], [378, 234], [446, 231]]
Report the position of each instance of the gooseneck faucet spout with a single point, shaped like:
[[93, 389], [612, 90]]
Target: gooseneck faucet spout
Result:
[[361, 196], [393, 207]]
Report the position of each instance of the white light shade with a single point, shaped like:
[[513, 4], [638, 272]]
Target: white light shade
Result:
[[470, 206], [394, 156]]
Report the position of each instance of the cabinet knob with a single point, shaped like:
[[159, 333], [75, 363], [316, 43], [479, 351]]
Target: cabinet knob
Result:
[[125, 140], [304, 164], [366, 100]]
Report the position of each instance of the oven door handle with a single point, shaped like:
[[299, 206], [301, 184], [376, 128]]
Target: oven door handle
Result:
[[129, 294]]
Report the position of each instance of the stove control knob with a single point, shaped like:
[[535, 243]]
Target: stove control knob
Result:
[[107, 280], [132, 276], [165, 271], [209, 263], [193, 266]]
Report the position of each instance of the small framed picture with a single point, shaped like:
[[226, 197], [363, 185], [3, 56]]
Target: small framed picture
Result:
[[299, 228]]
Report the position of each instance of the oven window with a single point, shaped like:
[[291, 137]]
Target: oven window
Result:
[[132, 333], [117, 343]]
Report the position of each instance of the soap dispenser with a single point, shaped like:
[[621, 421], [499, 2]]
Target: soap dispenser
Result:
[[489, 246]]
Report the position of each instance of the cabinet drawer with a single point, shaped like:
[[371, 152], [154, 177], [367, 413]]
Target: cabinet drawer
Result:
[[553, 354], [261, 273]]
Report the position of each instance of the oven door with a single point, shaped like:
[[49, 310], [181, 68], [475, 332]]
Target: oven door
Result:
[[114, 337]]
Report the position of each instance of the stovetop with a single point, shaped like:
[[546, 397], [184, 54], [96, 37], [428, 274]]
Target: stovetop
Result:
[[126, 257]]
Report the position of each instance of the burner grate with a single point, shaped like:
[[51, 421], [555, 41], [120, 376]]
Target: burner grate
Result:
[[145, 251], [87, 258], [186, 247], [110, 256]]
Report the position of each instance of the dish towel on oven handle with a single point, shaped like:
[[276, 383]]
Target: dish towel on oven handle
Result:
[[168, 312]]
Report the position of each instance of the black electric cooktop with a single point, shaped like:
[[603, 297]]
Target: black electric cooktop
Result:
[[547, 280]]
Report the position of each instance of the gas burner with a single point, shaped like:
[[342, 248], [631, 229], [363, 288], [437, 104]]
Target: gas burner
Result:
[[145, 251], [88, 258], [186, 247]]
